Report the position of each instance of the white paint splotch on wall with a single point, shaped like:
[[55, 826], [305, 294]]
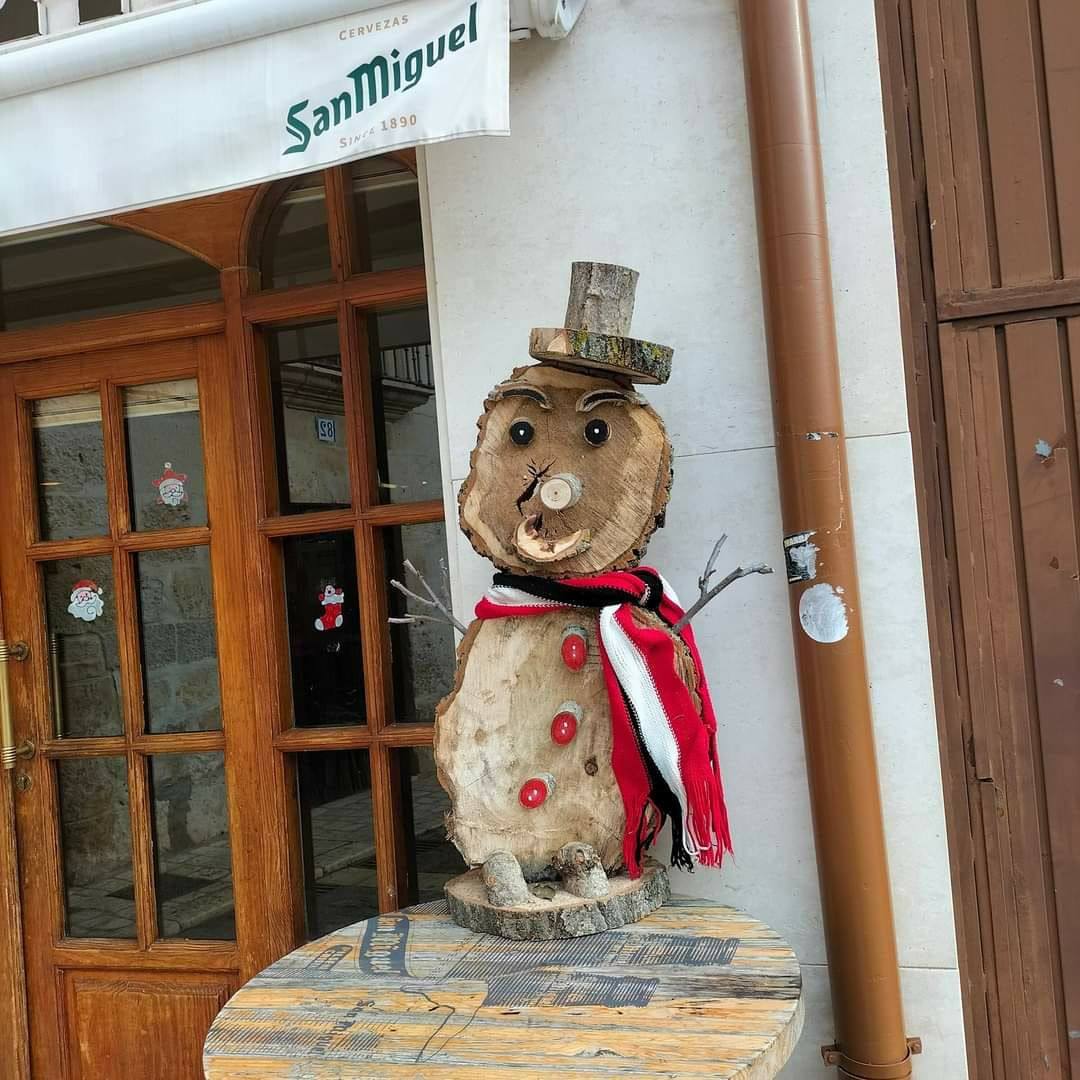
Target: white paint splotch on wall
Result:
[[822, 614]]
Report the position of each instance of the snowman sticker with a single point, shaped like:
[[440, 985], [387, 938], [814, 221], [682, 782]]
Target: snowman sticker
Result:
[[171, 487], [332, 599], [86, 602]]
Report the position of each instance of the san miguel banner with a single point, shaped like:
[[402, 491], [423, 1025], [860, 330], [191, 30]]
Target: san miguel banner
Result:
[[251, 110]]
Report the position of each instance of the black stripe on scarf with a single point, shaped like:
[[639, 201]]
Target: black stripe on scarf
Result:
[[662, 797], [584, 595]]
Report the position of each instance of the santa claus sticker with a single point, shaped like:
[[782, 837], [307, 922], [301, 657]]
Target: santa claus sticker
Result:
[[332, 599], [171, 487], [86, 602]]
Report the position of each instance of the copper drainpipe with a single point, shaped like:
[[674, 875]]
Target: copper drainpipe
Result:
[[812, 464]]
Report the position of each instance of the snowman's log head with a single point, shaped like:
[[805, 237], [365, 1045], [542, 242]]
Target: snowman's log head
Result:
[[570, 475]]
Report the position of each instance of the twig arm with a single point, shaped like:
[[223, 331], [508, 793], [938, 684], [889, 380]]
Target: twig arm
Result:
[[432, 600], [405, 620], [703, 581], [709, 594]]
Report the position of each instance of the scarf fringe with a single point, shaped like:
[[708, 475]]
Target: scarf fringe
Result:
[[708, 826]]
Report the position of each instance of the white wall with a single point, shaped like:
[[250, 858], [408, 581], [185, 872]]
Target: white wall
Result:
[[630, 145]]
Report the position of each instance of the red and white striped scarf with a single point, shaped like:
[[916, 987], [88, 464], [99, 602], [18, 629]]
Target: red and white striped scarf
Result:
[[663, 750]]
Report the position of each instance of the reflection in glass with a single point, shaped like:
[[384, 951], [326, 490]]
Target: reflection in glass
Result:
[[334, 794], [165, 459], [406, 424], [423, 653], [69, 457], [89, 270], [192, 854], [431, 858], [296, 244], [80, 616], [89, 10], [386, 213], [308, 403], [18, 19], [322, 604], [95, 840], [179, 649]]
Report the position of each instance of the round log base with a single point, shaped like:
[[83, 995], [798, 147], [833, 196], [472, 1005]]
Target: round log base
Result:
[[555, 913]]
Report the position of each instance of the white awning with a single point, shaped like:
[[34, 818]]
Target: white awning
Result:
[[220, 94]]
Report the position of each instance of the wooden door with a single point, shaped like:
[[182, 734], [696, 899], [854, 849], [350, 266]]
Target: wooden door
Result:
[[201, 507], [120, 554], [981, 102]]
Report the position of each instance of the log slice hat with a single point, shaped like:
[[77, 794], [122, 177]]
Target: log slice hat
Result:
[[596, 337]]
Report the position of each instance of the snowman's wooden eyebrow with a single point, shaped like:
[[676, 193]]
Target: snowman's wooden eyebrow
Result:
[[519, 389], [591, 398]]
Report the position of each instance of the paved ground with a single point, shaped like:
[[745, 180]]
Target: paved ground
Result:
[[195, 886]]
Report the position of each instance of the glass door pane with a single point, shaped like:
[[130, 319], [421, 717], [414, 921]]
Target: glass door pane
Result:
[[88, 270], [192, 852], [179, 643], [403, 397], [95, 838], [431, 859], [80, 620], [163, 430], [296, 243], [423, 654], [308, 406], [386, 215], [338, 837], [323, 605], [69, 459]]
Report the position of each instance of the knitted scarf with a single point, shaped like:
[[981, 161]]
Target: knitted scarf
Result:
[[663, 749]]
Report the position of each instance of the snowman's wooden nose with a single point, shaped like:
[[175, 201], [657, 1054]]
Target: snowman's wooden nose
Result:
[[561, 491]]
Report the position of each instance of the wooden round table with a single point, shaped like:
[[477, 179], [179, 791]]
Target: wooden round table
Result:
[[693, 990]]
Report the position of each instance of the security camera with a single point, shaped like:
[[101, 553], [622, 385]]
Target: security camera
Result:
[[548, 18]]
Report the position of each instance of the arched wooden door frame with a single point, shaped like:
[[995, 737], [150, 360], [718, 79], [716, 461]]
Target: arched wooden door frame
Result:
[[226, 231]]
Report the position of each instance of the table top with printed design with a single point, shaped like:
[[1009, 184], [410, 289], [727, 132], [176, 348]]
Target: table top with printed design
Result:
[[696, 989]]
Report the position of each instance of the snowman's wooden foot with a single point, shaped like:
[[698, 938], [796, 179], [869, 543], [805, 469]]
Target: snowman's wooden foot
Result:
[[581, 871], [504, 882]]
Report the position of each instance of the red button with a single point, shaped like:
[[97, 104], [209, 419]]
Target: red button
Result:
[[574, 648], [564, 726], [533, 793]]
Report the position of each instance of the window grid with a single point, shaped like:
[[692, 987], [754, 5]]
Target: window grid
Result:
[[122, 545], [349, 298]]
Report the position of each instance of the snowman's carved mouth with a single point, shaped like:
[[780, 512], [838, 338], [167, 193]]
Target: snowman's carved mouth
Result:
[[531, 544]]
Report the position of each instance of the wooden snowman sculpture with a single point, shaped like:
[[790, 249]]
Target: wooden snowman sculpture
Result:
[[580, 721]]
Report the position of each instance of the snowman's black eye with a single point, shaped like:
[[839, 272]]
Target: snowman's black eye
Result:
[[597, 432], [521, 433]]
